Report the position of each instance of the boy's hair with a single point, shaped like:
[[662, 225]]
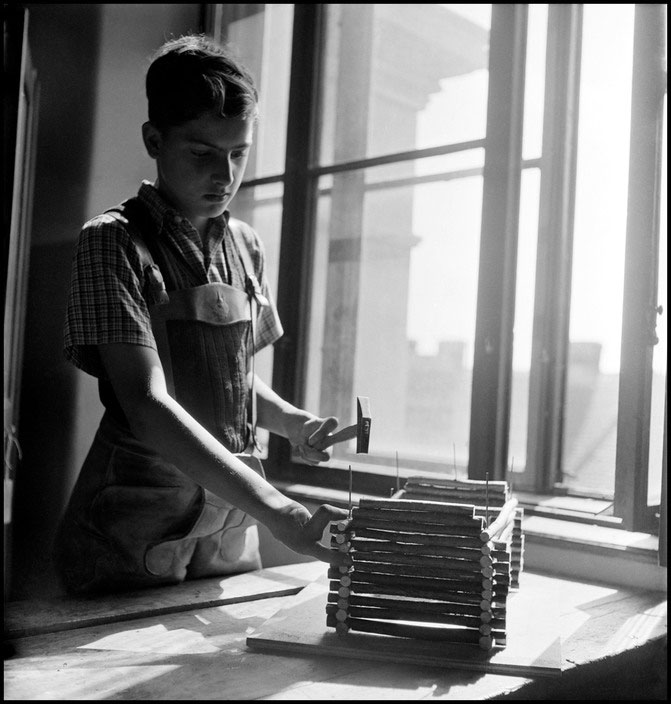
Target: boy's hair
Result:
[[194, 74]]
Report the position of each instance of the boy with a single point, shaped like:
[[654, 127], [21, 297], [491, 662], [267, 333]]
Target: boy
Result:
[[168, 303]]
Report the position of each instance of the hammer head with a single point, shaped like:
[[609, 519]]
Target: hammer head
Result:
[[363, 420]]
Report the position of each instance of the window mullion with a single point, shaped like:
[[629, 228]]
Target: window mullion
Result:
[[552, 300], [664, 507], [297, 213], [492, 363], [641, 266]]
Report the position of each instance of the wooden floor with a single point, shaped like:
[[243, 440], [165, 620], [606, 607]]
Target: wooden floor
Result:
[[190, 642]]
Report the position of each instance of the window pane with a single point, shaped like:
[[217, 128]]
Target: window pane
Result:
[[590, 425], [534, 96], [534, 81], [399, 77], [261, 208], [394, 299], [524, 317], [261, 37]]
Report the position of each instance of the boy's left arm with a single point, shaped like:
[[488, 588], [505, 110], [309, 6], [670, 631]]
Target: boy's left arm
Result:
[[302, 429]]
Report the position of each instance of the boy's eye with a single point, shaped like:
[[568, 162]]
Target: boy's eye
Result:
[[199, 153], [240, 154]]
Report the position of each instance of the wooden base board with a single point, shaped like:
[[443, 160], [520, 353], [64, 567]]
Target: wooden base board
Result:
[[533, 647], [34, 617]]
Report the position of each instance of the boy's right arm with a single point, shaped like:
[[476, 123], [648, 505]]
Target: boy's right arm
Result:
[[156, 419]]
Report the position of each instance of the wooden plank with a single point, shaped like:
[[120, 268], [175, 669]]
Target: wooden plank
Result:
[[431, 507], [473, 498], [417, 605], [437, 551], [533, 646], [464, 533], [460, 522], [449, 482], [33, 617], [393, 585], [416, 614]]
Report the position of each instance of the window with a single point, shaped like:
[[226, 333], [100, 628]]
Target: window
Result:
[[464, 208]]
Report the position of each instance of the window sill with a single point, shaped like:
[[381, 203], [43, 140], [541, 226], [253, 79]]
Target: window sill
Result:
[[552, 546]]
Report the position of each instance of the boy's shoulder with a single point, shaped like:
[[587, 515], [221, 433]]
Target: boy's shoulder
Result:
[[106, 232], [115, 221], [242, 226], [247, 232], [116, 216]]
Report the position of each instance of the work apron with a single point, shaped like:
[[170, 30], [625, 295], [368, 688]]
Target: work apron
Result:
[[135, 520]]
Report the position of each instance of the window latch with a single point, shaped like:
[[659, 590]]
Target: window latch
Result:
[[657, 310]]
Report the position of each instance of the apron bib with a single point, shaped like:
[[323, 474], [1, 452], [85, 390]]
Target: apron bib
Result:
[[136, 520]]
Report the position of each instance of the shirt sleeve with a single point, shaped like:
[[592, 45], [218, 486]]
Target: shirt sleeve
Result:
[[105, 302]]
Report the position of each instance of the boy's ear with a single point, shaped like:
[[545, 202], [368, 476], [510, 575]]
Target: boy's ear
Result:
[[152, 139]]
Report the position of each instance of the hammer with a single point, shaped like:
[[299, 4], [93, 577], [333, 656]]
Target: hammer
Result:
[[360, 430]]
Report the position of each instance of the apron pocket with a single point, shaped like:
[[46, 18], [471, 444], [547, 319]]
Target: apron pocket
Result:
[[235, 533], [240, 537], [159, 558], [240, 540], [230, 532]]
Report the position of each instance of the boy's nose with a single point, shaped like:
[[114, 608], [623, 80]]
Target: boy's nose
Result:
[[224, 173]]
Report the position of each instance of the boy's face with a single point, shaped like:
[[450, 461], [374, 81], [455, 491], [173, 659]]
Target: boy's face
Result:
[[200, 163]]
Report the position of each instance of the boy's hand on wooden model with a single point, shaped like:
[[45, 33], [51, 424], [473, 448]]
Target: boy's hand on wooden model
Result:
[[302, 531]]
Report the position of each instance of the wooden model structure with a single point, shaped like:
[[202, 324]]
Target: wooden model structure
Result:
[[434, 562], [487, 497]]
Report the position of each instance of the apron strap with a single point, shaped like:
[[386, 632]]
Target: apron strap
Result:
[[136, 220], [256, 300], [252, 285]]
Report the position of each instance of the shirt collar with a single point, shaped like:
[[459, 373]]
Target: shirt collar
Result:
[[159, 208]]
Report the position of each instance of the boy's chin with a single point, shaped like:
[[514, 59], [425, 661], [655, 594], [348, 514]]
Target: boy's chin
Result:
[[215, 209]]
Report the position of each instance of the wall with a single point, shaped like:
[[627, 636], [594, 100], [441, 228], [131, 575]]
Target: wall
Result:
[[91, 60]]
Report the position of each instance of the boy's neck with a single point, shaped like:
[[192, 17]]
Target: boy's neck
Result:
[[200, 224]]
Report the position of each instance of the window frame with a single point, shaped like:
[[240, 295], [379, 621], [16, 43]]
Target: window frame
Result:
[[496, 304], [552, 295], [298, 213], [641, 272], [495, 314]]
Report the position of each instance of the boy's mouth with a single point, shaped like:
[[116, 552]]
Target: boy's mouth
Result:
[[216, 197]]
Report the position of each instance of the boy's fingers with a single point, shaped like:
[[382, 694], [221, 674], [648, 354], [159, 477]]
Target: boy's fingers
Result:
[[324, 515], [312, 455], [324, 429]]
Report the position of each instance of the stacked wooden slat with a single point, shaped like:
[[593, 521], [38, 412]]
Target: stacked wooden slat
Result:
[[420, 569], [487, 496]]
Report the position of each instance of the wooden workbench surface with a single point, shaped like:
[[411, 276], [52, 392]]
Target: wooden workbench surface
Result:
[[181, 646]]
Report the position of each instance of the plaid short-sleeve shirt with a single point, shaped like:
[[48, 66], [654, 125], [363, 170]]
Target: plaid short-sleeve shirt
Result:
[[105, 302]]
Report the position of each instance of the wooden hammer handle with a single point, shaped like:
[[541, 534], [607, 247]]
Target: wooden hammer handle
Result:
[[348, 433], [359, 430]]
